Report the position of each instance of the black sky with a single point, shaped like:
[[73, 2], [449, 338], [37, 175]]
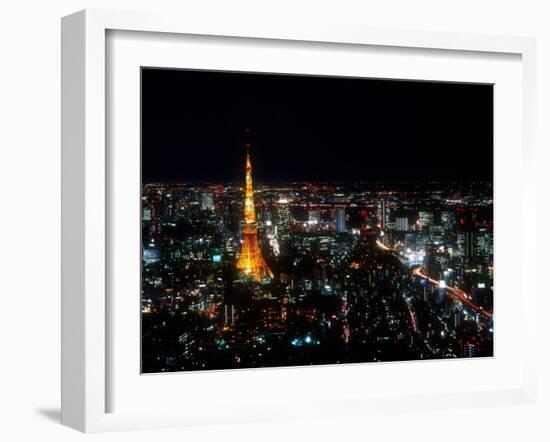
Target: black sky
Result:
[[313, 128]]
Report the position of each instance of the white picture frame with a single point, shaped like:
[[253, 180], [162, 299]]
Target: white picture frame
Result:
[[85, 308]]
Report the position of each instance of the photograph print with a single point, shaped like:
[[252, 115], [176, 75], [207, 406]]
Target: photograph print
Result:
[[295, 220]]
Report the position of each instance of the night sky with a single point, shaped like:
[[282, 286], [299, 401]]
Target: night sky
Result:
[[313, 128]]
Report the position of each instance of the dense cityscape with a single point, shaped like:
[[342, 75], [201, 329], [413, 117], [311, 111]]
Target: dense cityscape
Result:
[[354, 272], [292, 220]]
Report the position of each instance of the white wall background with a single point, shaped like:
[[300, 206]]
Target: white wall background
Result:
[[30, 214]]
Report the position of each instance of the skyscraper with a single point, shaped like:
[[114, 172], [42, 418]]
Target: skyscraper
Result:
[[402, 224], [425, 218], [207, 201], [466, 238], [382, 213], [466, 243], [251, 262], [283, 219], [341, 219]]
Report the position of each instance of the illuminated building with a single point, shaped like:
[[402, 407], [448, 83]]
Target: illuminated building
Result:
[[251, 261], [437, 234], [382, 213], [465, 243], [402, 224], [466, 237], [341, 220], [283, 219], [146, 214], [229, 315], [151, 254], [207, 201], [426, 219], [271, 315], [448, 220], [484, 245], [432, 268]]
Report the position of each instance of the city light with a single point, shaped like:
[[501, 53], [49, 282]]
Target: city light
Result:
[[262, 294]]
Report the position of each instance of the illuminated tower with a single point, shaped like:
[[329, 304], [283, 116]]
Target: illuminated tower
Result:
[[251, 261]]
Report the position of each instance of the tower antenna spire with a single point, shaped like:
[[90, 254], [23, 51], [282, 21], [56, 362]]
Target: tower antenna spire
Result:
[[247, 135]]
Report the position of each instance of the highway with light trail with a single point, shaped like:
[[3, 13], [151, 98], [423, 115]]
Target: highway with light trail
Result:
[[453, 292]]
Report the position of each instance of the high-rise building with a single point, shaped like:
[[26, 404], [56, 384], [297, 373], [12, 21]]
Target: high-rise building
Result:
[[466, 243], [382, 213], [229, 315], [283, 219], [341, 219], [432, 267], [448, 220], [466, 238], [251, 262], [437, 234], [426, 219], [156, 219], [484, 245], [146, 214], [151, 254], [402, 223], [207, 201]]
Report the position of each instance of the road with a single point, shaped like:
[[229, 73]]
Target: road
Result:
[[453, 292]]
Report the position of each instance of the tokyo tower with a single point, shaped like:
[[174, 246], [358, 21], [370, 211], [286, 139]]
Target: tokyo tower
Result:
[[251, 262]]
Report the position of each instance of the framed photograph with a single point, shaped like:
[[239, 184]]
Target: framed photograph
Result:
[[319, 248], [270, 222]]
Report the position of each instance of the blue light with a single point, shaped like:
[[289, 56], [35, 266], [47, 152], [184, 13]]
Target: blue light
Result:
[[151, 255], [308, 339], [217, 258]]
